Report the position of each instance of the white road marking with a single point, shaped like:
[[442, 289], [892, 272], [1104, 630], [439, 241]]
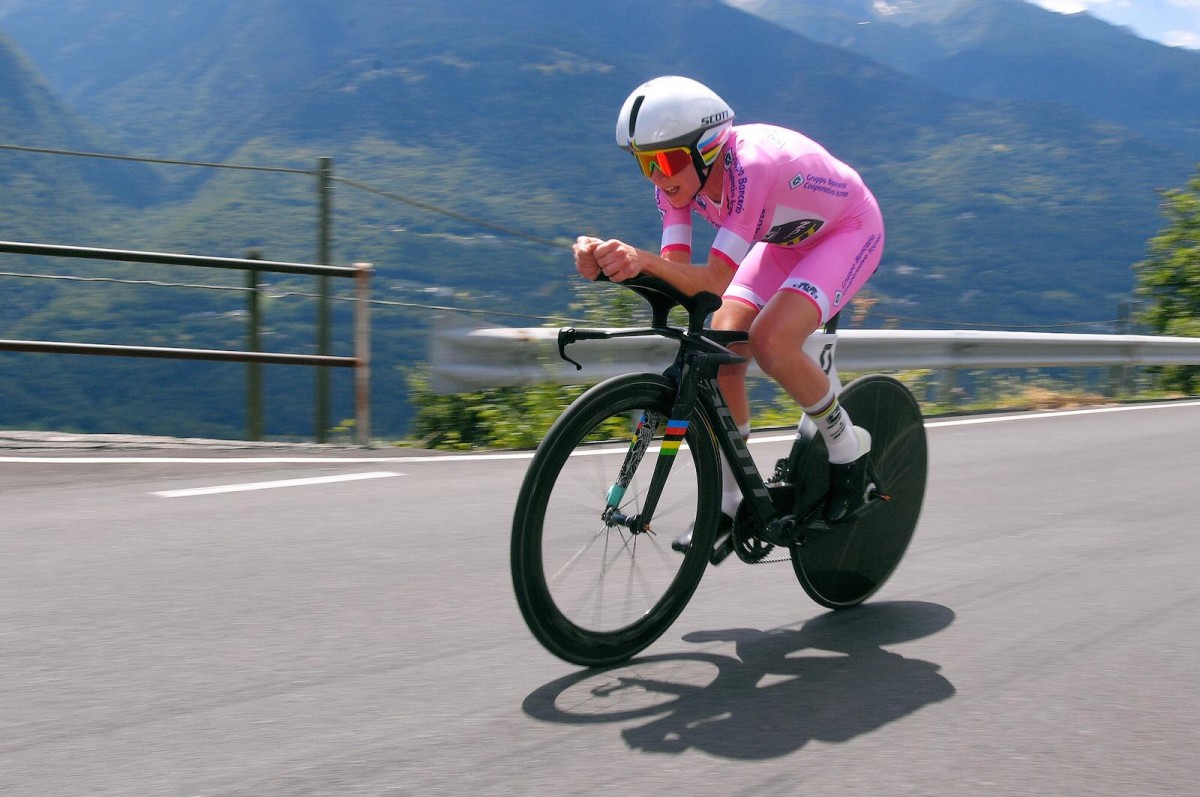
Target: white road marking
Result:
[[169, 460], [239, 488], [511, 455]]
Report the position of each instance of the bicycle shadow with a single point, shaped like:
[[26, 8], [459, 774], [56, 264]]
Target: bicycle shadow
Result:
[[767, 702]]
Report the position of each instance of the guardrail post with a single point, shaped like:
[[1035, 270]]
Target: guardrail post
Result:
[[944, 388], [362, 355], [324, 247], [254, 384], [1120, 376]]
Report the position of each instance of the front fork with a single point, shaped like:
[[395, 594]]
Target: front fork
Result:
[[673, 435], [642, 437]]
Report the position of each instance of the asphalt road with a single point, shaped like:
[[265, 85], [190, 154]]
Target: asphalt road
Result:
[[359, 637]]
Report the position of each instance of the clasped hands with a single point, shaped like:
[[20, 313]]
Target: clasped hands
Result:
[[615, 259]]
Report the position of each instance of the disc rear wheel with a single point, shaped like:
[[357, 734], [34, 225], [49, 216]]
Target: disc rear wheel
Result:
[[843, 565]]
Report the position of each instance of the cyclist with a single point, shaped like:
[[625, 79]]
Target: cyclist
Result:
[[798, 234]]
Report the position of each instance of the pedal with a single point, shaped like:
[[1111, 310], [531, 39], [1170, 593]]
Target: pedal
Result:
[[721, 549], [784, 531]]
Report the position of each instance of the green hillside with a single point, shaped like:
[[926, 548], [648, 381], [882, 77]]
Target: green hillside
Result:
[[43, 194]]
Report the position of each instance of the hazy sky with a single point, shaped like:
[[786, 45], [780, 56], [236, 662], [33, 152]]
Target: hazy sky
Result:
[[1172, 22]]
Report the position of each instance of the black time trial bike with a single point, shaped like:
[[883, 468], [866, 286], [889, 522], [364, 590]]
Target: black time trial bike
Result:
[[635, 460]]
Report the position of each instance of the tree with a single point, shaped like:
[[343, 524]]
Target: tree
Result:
[[1170, 277]]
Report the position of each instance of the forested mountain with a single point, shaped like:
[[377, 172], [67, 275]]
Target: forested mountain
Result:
[[1000, 212], [44, 194]]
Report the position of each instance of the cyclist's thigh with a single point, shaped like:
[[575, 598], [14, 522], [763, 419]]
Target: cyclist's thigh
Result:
[[758, 277], [734, 314]]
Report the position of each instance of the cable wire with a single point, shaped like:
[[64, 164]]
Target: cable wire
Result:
[[537, 239], [143, 159]]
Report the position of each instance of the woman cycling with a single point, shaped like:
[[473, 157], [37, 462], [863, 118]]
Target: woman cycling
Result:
[[798, 234]]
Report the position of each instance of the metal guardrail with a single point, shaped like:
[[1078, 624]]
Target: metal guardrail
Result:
[[465, 360], [360, 362]]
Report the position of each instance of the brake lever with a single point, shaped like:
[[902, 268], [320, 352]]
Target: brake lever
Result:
[[565, 338]]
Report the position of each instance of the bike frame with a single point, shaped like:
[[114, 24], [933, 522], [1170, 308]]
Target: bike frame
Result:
[[694, 373]]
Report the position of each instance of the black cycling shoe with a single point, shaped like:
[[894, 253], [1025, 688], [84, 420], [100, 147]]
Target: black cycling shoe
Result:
[[722, 546], [850, 488]]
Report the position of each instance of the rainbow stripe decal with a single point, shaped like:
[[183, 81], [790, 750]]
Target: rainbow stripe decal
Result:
[[673, 436], [710, 146]]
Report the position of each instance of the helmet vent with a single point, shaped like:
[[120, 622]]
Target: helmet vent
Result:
[[633, 115]]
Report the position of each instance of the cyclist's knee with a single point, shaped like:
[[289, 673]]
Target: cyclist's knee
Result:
[[776, 338], [769, 358], [771, 345]]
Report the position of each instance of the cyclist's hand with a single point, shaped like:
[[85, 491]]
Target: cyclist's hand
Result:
[[585, 256], [618, 260]]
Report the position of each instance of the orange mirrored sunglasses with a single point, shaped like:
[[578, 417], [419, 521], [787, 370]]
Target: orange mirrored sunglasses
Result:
[[668, 161]]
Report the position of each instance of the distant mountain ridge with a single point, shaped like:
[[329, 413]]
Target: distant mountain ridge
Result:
[[999, 212], [1013, 50]]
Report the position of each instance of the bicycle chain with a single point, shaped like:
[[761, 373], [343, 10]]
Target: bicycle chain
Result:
[[771, 561]]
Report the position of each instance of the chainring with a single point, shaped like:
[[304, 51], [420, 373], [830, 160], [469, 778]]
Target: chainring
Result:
[[748, 543]]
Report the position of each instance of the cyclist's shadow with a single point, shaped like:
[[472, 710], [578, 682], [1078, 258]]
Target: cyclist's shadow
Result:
[[830, 680]]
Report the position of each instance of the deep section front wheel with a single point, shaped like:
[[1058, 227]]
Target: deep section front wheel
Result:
[[592, 591], [843, 565]]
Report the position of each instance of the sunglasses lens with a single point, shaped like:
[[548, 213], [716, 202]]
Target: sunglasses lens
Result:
[[668, 161]]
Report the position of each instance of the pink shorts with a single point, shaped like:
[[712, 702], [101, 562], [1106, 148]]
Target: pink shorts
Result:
[[829, 271]]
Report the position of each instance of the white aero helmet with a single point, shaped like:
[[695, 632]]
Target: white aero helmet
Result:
[[674, 113]]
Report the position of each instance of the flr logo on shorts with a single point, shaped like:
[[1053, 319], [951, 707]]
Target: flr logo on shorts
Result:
[[804, 286]]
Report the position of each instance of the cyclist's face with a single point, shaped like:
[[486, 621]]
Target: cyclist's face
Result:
[[680, 189]]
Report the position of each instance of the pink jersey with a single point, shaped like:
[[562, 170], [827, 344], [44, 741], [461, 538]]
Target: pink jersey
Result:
[[781, 188]]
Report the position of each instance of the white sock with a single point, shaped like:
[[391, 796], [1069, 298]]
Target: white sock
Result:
[[836, 427], [731, 494]]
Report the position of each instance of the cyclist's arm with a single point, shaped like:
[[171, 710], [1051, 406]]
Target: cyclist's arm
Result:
[[691, 278], [619, 261]]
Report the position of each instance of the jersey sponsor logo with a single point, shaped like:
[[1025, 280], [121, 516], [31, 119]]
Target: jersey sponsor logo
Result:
[[758, 228], [793, 232], [860, 260], [738, 180], [797, 181], [825, 185]]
